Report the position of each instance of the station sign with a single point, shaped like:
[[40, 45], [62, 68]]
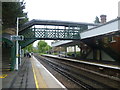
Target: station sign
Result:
[[15, 37]]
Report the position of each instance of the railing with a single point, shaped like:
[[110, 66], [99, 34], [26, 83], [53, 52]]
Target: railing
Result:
[[47, 33], [64, 31]]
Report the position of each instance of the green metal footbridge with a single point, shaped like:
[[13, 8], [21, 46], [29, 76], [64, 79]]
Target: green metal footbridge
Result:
[[41, 30], [51, 30]]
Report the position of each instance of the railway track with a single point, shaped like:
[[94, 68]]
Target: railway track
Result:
[[80, 76], [111, 71]]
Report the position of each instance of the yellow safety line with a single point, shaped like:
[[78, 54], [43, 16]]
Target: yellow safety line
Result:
[[3, 76], [6, 69], [3, 70], [39, 81], [36, 82]]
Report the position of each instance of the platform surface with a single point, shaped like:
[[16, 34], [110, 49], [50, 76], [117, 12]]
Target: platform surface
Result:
[[43, 78], [31, 74], [85, 62]]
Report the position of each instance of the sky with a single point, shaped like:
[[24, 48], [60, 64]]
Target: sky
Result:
[[71, 10]]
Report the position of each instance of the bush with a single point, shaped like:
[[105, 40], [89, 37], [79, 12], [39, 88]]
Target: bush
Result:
[[72, 54], [54, 53]]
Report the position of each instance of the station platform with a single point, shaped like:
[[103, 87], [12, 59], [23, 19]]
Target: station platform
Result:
[[31, 74], [117, 67]]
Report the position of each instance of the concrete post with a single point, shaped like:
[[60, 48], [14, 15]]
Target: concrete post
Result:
[[75, 50], [65, 51], [53, 50]]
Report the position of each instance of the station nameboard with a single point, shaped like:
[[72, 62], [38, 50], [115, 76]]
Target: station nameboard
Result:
[[19, 38]]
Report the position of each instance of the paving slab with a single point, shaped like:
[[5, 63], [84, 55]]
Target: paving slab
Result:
[[44, 78], [31, 74], [23, 78]]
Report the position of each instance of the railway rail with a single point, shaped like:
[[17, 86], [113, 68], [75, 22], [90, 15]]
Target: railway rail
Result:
[[107, 70], [87, 79]]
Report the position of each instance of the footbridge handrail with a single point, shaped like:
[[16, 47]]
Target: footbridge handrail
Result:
[[55, 23]]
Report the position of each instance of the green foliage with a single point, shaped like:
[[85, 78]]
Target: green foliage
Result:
[[43, 47], [29, 48], [55, 53], [96, 20], [48, 47], [41, 53], [35, 50], [10, 12], [71, 54]]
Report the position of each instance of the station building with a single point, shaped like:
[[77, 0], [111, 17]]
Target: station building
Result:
[[97, 43]]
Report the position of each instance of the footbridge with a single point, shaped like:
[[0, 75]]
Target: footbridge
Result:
[[98, 37], [108, 29], [96, 44], [51, 30]]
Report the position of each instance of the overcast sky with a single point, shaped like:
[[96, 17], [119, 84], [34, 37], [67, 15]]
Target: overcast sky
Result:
[[71, 10]]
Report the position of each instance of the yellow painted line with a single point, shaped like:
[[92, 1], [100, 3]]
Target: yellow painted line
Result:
[[3, 76], [36, 82], [39, 81], [6, 69], [2, 70]]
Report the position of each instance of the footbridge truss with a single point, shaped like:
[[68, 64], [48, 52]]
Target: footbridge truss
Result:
[[51, 30]]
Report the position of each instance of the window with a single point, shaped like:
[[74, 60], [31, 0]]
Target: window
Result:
[[112, 39]]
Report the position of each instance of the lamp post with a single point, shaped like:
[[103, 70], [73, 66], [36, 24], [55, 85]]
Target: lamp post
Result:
[[16, 68]]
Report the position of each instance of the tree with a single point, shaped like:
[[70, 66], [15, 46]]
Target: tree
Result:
[[96, 20], [10, 11], [43, 46], [29, 48], [35, 50], [48, 48]]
